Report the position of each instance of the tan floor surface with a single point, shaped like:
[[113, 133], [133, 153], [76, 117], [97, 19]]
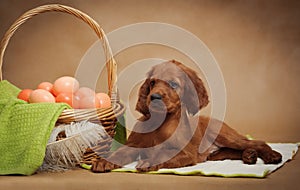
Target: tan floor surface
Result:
[[287, 177]]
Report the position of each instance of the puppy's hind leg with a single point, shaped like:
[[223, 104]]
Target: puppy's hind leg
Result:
[[229, 138], [249, 156]]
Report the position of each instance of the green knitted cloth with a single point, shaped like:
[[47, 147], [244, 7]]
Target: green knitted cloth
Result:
[[24, 131]]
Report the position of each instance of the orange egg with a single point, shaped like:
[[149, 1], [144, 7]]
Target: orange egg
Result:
[[24, 94], [104, 100], [40, 95], [46, 86], [89, 102], [65, 98], [65, 84], [84, 92]]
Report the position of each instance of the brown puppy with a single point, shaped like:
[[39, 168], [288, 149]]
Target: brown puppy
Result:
[[169, 136]]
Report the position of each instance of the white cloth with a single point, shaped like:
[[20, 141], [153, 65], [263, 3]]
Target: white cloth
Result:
[[229, 168]]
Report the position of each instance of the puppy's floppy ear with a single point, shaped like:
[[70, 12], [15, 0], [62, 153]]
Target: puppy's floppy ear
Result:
[[141, 105], [195, 95]]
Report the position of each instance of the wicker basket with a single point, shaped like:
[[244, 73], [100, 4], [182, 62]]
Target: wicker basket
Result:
[[107, 117]]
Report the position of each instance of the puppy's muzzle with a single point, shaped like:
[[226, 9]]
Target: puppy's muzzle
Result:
[[156, 103], [155, 96]]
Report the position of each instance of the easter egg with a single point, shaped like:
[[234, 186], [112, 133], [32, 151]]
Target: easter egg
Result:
[[24, 94], [89, 102], [46, 86], [40, 95], [84, 92], [76, 102], [65, 84], [104, 100], [65, 98]]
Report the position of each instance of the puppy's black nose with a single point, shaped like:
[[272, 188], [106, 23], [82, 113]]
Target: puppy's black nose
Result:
[[156, 97]]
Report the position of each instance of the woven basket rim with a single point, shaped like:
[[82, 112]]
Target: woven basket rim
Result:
[[101, 114]]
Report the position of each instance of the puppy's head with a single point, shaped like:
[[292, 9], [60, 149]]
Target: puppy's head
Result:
[[170, 85]]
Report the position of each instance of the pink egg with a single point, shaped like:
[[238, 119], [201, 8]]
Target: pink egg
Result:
[[41, 95], [84, 92], [65, 84], [46, 86], [89, 102], [76, 102], [104, 100]]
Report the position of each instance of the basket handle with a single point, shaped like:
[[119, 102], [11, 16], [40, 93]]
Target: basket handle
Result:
[[111, 65]]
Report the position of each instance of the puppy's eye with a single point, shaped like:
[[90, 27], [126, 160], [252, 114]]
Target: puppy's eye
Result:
[[152, 83], [173, 84]]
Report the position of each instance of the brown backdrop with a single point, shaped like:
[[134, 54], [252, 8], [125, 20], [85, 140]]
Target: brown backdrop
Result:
[[256, 43]]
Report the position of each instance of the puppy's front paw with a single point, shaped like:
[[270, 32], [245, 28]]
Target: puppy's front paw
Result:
[[100, 165], [146, 166], [272, 157]]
